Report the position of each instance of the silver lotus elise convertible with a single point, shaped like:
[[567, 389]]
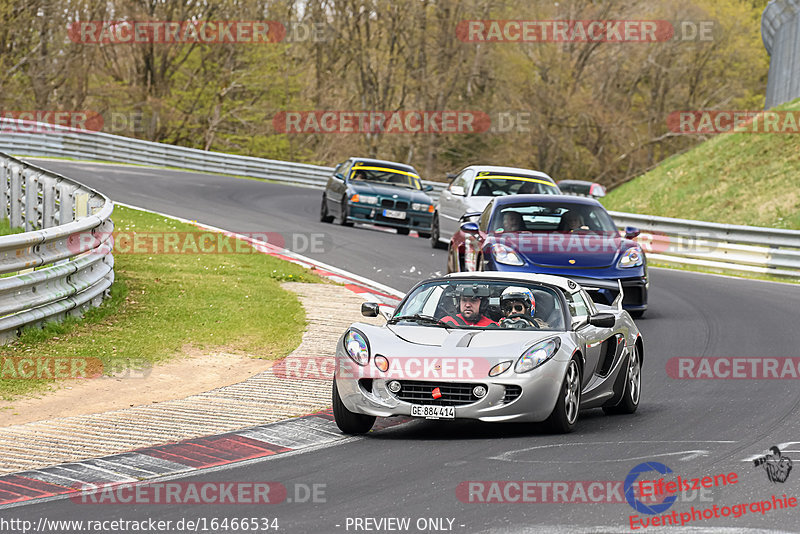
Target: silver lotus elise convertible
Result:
[[515, 347]]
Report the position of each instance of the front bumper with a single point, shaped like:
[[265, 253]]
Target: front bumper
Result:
[[371, 214], [538, 392]]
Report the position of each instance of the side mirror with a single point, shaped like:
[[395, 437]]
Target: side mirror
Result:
[[603, 320], [469, 227], [458, 190], [428, 188], [338, 175], [450, 175], [631, 232], [370, 309]]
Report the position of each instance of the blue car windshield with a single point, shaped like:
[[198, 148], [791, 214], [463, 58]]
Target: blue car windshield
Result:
[[552, 217], [385, 175], [483, 304]]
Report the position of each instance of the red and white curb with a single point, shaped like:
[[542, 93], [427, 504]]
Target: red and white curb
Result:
[[150, 463]]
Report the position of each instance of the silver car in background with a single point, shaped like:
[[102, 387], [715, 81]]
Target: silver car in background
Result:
[[562, 355], [473, 188]]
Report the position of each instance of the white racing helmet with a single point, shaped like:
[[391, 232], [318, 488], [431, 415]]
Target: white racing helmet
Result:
[[521, 294]]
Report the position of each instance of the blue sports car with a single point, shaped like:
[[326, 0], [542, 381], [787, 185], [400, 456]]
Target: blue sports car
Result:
[[548, 234]]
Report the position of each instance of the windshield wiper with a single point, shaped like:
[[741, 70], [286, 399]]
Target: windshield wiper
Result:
[[419, 318]]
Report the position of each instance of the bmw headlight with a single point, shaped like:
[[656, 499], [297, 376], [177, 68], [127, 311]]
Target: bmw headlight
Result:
[[505, 255], [537, 355], [416, 206], [365, 199], [633, 257], [357, 347]]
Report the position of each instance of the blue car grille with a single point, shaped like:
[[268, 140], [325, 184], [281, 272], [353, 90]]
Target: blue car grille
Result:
[[420, 392]]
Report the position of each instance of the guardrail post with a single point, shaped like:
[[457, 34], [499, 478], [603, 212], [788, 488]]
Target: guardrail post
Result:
[[31, 180], [4, 183], [48, 202], [15, 208], [66, 207]]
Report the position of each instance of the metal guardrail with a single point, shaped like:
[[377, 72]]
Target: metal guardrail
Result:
[[62, 264], [722, 246], [675, 241]]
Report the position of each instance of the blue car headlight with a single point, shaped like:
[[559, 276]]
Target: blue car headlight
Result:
[[537, 355], [505, 255], [632, 257], [357, 347]]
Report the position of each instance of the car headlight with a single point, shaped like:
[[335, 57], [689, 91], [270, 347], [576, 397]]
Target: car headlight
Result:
[[357, 347], [537, 355], [422, 207], [505, 255], [633, 257], [366, 199]]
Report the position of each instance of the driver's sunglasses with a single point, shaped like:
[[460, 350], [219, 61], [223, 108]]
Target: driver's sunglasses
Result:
[[517, 308]]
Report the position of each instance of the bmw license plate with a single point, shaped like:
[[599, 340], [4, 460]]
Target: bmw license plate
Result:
[[433, 412], [394, 214]]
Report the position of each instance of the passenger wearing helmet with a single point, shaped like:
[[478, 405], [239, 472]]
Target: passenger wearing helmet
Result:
[[518, 306], [471, 303]]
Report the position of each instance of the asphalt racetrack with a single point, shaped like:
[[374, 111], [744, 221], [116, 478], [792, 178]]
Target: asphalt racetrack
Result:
[[696, 427]]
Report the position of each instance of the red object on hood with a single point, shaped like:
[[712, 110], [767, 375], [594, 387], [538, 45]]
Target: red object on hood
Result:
[[437, 393]]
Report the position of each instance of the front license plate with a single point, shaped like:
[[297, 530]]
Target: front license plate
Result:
[[394, 214], [433, 412]]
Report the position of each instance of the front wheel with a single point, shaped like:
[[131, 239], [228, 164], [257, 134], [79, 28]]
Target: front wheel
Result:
[[343, 215], [565, 413], [323, 212], [436, 233], [633, 387], [347, 421]]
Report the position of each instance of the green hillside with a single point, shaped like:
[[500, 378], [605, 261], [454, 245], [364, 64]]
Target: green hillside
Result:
[[741, 178]]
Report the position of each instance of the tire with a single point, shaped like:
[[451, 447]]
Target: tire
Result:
[[435, 233], [323, 212], [451, 263], [347, 421], [637, 314], [565, 413], [343, 216], [402, 231], [632, 392]]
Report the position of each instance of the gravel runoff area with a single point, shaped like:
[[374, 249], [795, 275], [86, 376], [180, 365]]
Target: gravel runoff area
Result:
[[262, 398]]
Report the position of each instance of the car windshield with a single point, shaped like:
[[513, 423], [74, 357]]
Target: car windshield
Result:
[[385, 175], [496, 185], [552, 217], [482, 304]]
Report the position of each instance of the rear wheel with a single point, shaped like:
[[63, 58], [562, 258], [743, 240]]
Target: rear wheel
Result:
[[323, 212], [633, 387], [436, 233], [565, 413], [347, 421], [402, 231]]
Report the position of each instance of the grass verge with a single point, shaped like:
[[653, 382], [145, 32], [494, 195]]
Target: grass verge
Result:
[[731, 178], [162, 302]]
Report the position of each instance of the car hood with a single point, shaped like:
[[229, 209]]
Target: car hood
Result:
[[456, 338], [413, 195], [570, 251]]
